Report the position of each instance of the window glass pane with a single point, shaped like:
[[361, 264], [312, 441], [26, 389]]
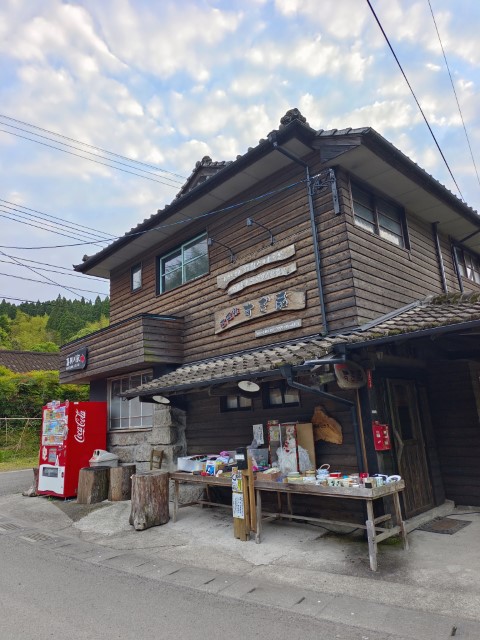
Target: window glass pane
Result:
[[291, 395], [231, 402], [172, 261], [114, 423], [136, 277], [196, 268], [172, 280], [364, 224], [391, 237], [195, 249], [460, 261], [275, 396], [389, 210], [245, 402], [389, 224], [361, 197]]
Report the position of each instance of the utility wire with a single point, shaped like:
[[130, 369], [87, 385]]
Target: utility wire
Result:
[[10, 216], [69, 223], [454, 91], [92, 146], [19, 299], [262, 196], [70, 275], [90, 159], [415, 97], [175, 182], [46, 278], [51, 284]]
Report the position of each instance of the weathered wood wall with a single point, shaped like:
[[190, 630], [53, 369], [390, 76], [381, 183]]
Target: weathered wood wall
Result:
[[454, 387]]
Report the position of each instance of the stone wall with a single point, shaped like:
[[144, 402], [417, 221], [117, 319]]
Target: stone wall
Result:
[[168, 433]]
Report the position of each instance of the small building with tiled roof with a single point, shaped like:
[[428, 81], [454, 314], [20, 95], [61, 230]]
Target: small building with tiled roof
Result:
[[320, 268], [24, 361]]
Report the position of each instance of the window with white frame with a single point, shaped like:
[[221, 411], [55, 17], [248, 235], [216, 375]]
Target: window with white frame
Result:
[[468, 265], [185, 263], [379, 216], [128, 414]]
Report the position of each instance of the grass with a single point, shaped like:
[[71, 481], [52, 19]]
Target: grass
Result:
[[15, 463]]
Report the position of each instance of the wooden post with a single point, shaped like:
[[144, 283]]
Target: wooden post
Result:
[[250, 482], [121, 482], [241, 526], [150, 495], [92, 485]]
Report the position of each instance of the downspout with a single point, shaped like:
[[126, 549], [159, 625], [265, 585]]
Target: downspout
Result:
[[287, 373], [439, 256], [316, 248]]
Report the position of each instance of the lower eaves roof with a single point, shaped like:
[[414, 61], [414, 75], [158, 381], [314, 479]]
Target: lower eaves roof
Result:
[[447, 312]]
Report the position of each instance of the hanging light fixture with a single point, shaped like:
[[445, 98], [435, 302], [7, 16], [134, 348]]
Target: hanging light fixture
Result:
[[248, 386], [161, 399]]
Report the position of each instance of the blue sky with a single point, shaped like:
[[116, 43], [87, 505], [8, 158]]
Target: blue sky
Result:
[[168, 82]]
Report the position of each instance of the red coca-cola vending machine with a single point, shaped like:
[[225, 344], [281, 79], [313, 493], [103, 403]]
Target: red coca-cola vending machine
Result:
[[70, 433]]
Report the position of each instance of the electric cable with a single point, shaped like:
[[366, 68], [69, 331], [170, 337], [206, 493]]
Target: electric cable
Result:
[[415, 97], [212, 212], [46, 278], [51, 284], [176, 183], [42, 214], [90, 159], [69, 273], [10, 216], [92, 146], [454, 91]]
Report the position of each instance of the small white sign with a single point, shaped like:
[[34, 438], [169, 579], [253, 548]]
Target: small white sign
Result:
[[258, 433], [278, 328], [238, 507]]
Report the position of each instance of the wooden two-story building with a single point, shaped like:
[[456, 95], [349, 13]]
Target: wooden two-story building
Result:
[[314, 248]]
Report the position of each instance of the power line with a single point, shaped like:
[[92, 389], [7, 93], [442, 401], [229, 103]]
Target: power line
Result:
[[10, 215], [46, 278], [415, 97], [106, 235], [92, 146], [212, 212], [69, 273], [18, 299], [51, 284], [90, 159], [454, 91], [176, 183]]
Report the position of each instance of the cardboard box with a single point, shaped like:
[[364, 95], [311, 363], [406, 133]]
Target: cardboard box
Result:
[[305, 440], [267, 477]]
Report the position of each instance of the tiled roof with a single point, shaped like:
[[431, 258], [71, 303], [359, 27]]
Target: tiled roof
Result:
[[431, 313], [23, 361]]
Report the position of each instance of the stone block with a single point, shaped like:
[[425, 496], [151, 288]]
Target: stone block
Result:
[[162, 416], [127, 438], [162, 436]]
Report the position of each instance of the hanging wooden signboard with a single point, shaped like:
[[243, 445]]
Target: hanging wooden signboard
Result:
[[281, 254], [264, 305], [270, 274]]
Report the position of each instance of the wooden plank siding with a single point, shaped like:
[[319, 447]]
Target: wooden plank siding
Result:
[[286, 214], [387, 277], [455, 419], [126, 346]]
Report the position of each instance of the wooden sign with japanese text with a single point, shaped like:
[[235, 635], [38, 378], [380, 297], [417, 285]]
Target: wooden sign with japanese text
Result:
[[263, 276], [263, 305], [281, 254]]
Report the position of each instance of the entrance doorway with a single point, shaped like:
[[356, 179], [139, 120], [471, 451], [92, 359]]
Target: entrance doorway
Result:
[[409, 446]]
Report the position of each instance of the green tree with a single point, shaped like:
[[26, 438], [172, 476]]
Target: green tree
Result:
[[26, 331]]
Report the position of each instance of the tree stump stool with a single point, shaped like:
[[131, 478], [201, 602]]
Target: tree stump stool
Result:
[[92, 485], [121, 482], [150, 496]]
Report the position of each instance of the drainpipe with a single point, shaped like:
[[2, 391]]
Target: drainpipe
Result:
[[287, 373], [439, 256], [316, 249]]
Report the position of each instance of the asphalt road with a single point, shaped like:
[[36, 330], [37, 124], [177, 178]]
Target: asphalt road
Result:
[[15, 481], [44, 595]]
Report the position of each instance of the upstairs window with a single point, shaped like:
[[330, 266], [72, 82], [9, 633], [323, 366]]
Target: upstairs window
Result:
[[136, 277], [279, 394], [187, 262], [468, 265], [379, 216]]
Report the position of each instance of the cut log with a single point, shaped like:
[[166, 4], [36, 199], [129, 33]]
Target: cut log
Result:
[[121, 482], [149, 499], [92, 485]]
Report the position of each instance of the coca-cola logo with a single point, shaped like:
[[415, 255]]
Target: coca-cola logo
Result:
[[80, 418]]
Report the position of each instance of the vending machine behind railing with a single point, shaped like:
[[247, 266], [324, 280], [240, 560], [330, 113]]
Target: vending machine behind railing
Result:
[[71, 431]]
